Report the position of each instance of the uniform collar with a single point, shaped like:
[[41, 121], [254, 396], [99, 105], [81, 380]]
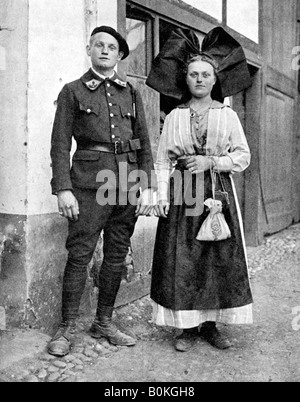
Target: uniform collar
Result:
[[102, 77], [215, 105], [93, 80]]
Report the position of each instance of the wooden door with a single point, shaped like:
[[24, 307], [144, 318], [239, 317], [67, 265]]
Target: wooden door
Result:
[[278, 113], [277, 151]]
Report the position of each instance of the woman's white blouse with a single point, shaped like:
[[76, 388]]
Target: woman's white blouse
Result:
[[226, 143]]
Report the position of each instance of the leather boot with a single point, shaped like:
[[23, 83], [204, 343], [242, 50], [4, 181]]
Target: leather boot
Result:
[[212, 335], [62, 342], [103, 327]]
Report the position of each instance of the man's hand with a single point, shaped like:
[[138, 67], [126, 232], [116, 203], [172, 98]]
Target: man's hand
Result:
[[68, 205], [197, 164], [145, 203], [162, 209]]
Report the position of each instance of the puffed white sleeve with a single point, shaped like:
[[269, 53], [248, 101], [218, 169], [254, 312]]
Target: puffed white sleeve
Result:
[[238, 157]]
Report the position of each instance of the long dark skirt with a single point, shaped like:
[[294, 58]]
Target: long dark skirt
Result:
[[192, 275]]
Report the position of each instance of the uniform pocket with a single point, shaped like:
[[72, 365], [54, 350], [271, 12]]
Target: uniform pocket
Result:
[[127, 112], [89, 109]]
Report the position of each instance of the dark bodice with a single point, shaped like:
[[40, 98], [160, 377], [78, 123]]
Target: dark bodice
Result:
[[199, 126]]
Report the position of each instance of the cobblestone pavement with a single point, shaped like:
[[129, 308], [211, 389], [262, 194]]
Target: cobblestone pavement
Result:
[[266, 351], [275, 249]]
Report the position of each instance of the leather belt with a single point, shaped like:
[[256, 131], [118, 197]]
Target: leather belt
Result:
[[118, 147]]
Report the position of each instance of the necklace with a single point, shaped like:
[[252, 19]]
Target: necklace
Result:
[[200, 112]]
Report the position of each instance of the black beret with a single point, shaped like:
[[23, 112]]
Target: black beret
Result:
[[122, 42]]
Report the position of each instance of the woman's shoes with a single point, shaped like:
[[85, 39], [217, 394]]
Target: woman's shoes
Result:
[[187, 340], [211, 334]]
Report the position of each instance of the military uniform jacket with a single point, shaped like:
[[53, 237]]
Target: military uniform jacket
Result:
[[94, 110]]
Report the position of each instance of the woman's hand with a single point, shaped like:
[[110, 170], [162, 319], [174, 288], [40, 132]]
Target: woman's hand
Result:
[[145, 203], [161, 210], [197, 164]]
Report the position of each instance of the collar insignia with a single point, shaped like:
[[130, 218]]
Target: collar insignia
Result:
[[121, 83], [93, 84]]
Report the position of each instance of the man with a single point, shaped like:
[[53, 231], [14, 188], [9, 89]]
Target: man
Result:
[[105, 115]]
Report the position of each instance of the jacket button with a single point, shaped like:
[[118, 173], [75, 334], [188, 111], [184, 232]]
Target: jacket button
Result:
[[112, 126], [110, 104], [89, 111], [111, 115], [113, 137]]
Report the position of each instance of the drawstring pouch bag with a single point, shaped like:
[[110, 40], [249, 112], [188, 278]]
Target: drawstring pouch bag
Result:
[[215, 227]]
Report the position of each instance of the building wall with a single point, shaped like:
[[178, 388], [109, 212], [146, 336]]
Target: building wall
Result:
[[56, 55], [13, 105], [13, 154]]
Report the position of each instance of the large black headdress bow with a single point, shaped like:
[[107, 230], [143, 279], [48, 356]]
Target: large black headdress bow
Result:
[[167, 73]]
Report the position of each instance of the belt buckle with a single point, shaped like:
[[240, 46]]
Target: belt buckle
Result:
[[118, 147]]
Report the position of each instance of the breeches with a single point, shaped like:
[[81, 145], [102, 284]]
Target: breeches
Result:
[[118, 223]]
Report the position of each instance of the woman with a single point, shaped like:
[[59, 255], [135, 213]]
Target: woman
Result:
[[200, 282]]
